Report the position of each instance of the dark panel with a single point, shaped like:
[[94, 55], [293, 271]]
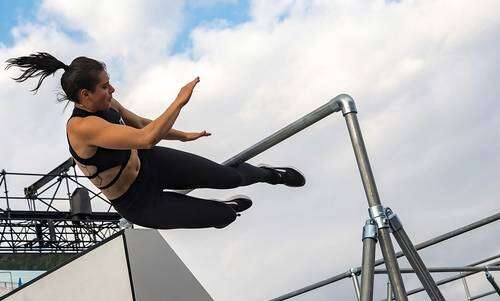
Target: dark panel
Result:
[[157, 272], [33, 262]]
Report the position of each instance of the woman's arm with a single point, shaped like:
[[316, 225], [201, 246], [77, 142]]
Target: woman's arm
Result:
[[139, 122], [99, 132], [129, 117], [158, 128], [173, 134]]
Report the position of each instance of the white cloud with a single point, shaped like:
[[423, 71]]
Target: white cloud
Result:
[[425, 86], [130, 30]]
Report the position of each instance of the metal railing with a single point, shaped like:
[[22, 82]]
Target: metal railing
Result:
[[430, 242], [379, 216]]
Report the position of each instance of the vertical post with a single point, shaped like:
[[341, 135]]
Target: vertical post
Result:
[[4, 174], [355, 282], [65, 176], [349, 111], [466, 287], [74, 172], [11, 281], [368, 263], [389, 291]]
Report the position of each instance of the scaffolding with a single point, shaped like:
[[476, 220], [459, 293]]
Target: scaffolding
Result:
[[51, 217]]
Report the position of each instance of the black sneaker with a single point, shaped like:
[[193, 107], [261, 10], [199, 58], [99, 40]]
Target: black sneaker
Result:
[[287, 175], [239, 203]]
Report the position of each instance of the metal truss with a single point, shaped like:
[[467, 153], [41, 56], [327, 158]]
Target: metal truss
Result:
[[40, 221]]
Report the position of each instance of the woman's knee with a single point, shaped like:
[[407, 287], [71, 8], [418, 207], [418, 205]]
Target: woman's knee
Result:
[[232, 178]]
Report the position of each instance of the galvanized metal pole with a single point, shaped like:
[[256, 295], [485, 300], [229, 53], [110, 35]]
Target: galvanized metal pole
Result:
[[413, 258], [389, 290], [349, 111], [491, 280], [454, 278], [355, 283], [482, 295], [466, 287], [325, 110], [293, 128], [369, 241], [314, 286], [446, 269], [430, 242]]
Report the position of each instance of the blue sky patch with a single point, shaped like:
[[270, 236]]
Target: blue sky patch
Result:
[[14, 12], [233, 13], [196, 13]]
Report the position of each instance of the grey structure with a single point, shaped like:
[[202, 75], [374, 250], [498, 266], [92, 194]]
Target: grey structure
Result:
[[134, 264]]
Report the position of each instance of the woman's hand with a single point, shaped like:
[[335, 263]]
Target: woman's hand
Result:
[[186, 91], [195, 135]]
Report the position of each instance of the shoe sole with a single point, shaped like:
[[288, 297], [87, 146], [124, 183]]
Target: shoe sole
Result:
[[293, 167], [239, 196]]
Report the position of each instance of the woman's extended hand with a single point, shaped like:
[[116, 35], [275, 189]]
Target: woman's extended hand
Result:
[[195, 135], [186, 91]]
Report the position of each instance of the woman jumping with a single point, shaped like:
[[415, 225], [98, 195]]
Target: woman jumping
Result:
[[117, 151]]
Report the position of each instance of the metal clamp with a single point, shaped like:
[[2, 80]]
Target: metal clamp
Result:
[[125, 224], [370, 229], [377, 213], [355, 271], [393, 219]]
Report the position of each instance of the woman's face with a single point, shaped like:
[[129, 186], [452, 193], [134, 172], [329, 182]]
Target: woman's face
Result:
[[102, 95]]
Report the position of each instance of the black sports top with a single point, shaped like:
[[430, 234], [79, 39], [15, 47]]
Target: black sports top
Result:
[[104, 158]]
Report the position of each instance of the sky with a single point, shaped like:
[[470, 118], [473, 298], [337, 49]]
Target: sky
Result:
[[424, 75]]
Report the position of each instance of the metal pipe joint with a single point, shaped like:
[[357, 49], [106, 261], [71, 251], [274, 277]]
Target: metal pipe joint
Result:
[[355, 271], [393, 219], [370, 230], [346, 103], [378, 214]]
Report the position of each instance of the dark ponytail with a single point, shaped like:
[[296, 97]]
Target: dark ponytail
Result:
[[82, 73], [40, 64]]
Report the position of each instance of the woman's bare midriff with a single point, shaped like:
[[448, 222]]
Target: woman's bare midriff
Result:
[[125, 180]]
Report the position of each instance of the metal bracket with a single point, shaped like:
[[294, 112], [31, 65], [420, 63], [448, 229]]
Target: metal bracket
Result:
[[377, 213], [346, 103], [125, 224], [393, 219], [355, 271], [370, 230]]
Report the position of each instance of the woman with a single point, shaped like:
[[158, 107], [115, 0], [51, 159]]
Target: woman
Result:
[[117, 151]]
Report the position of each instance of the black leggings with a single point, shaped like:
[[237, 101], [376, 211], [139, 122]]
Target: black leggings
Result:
[[146, 204]]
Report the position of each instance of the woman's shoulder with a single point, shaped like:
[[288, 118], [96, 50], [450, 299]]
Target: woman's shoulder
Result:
[[77, 126]]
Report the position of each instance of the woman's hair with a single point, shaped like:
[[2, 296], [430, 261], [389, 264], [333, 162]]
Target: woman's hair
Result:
[[82, 73]]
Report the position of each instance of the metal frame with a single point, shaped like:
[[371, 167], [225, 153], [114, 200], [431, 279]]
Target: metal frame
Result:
[[461, 275], [345, 103], [428, 243], [36, 223]]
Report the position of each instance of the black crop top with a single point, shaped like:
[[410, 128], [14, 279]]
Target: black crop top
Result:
[[104, 158]]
